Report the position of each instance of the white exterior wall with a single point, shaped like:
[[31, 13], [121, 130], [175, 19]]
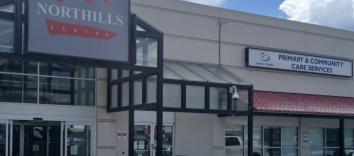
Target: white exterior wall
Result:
[[191, 31]]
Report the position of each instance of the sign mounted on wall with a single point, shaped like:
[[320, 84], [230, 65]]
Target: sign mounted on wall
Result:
[[93, 29], [298, 62]]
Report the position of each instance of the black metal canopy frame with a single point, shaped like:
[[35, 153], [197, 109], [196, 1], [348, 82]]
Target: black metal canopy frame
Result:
[[145, 72]]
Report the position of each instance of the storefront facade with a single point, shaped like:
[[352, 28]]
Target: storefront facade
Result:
[[191, 91]]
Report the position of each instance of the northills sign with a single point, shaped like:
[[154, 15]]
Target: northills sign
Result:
[[95, 29], [298, 62]]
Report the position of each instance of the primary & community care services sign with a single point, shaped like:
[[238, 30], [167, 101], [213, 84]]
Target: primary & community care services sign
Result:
[[298, 62], [94, 29]]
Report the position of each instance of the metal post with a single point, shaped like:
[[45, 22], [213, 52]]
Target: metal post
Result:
[[341, 135], [250, 135], [159, 115], [131, 133]]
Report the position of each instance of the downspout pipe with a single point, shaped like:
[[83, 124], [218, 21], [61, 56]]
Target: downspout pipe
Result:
[[220, 23]]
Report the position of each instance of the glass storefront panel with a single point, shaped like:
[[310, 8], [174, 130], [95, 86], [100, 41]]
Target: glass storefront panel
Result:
[[125, 73], [7, 8], [289, 152], [317, 151], [272, 151], [2, 139], [218, 98], [146, 53], [195, 97], [289, 136], [240, 104], [125, 94], [138, 92], [6, 36], [79, 140], [114, 74], [18, 88], [233, 151], [151, 92], [257, 136], [16, 66], [172, 95], [271, 136], [64, 70], [66, 91], [256, 152], [332, 137], [332, 151], [114, 96], [142, 140], [349, 137], [317, 137]]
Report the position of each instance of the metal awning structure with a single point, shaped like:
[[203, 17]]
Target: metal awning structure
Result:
[[200, 73], [302, 103]]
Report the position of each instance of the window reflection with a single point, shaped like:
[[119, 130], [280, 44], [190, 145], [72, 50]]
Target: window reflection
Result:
[[332, 137], [17, 66], [14, 86], [271, 136], [146, 53], [218, 98], [64, 70], [66, 91], [79, 140], [6, 36], [317, 137]]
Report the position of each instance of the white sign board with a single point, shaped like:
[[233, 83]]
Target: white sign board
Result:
[[297, 62]]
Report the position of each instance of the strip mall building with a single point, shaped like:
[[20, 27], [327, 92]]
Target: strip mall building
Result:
[[205, 82]]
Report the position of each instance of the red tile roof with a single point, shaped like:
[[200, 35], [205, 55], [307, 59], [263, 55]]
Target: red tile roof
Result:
[[302, 103]]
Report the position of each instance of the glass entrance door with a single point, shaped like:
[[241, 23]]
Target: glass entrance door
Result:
[[145, 140], [78, 139], [4, 138], [30, 138]]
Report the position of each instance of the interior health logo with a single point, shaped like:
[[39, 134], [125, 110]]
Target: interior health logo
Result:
[[265, 57]]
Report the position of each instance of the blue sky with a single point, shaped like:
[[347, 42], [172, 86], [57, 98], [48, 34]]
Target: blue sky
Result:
[[270, 8], [332, 13]]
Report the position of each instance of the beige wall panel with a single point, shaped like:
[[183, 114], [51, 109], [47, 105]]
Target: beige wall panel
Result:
[[180, 6], [122, 124], [106, 152], [218, 131], [101, 97], [261, 36], [318, 29], [330, 86], [261, 20], [275, 121], [181, 24], [305, 126], [323, 45], [270, 81], [328, 123], [150, 117], [188, 49], [236, 120], [106, 134], [233, 55], [102, 114], [193, 131], [101, 73]]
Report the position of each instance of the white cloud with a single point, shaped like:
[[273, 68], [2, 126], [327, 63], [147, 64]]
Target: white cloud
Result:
[[208, 2], [332, 13]]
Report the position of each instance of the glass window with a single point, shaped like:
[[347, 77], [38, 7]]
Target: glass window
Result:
[[349, 137], [332, 137], [139, 28], [6, 36], [18, 88], [272, 151], [289, 152], [195, 97], [271, 136], [183, 71], [169, 74], [332, 151], [317, 137], [7, 8], [79, 140], [125, 94], [256, 152], [138, 92], [172, 95], [142, 140], [151, 92], [205, 73], [16, 66], [289, 137], [234, 140], [317, 152], [114, 74], [64, 70], [146, 53], [125, 73], [257, 136], [240, 104], [66, 91], [2, 139], [218, 98], [114, 96]]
